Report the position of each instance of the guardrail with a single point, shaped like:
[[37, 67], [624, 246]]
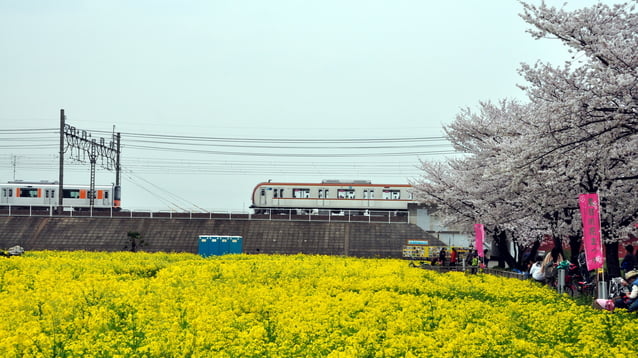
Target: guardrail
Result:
[[372, 216], [471, 269]]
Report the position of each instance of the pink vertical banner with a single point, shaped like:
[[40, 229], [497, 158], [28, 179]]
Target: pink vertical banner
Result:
[[590, 213], [479, 231]]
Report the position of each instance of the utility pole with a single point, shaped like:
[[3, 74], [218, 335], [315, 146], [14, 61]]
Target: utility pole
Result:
[[93, 160], [61, 169], [118, 173]]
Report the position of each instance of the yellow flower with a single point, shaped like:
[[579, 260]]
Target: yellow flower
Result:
[[141, 304]]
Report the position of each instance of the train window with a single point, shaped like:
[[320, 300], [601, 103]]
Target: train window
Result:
[[320, 193], [10, 192], [391, 194], [28, 192], [281, 193], [4, 192], [274, 194], [345, 193], [71, 193], [46, 193], [300, 193], [106, 194], [325, 193], [263, 192]]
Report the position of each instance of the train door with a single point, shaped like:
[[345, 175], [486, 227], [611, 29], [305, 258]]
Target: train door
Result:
[[106, 198], [4, 195], [102, 198], [49, 197], [321, 197], [262, 196], [369, 196], [277, 197]]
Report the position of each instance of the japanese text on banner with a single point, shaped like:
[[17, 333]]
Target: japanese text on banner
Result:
[[590, 213], [479, 230]]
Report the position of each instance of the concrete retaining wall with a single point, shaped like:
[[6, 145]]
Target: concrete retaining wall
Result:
[[180, 235]]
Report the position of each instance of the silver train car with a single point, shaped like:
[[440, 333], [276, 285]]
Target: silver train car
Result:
[[41, 195], [330, 197]]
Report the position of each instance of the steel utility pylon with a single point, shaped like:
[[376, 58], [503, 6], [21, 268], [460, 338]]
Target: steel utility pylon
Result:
[[83, 146]]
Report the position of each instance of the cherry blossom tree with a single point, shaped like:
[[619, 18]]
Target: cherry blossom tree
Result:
[[590, 105], [525, 164]]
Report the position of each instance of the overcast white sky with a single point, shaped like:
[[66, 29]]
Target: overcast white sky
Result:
[[267, 70]]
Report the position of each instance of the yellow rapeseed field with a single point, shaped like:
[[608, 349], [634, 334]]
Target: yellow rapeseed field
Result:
[[87, 304]]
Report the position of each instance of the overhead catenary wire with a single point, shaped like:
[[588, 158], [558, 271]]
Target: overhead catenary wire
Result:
[[142, 164], [145, 155], [145, 187], [293, 155], [277, 140], [258, 147]]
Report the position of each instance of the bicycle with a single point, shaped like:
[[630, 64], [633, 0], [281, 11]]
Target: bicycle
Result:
[[575, 284]]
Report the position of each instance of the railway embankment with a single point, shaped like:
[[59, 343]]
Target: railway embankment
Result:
[[181, 235]]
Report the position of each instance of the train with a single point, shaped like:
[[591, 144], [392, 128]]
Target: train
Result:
[[330, 197], [45, 195]]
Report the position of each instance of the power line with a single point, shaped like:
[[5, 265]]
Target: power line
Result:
[[178, 166], [293, 155], [277, 140], [148, 155], [261, 147], [418, 145], [30, 130]]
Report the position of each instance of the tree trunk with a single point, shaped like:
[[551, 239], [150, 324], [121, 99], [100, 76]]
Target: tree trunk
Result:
[[530, 257], [500, 239], [575, 241], [558, 248], [611, 258]]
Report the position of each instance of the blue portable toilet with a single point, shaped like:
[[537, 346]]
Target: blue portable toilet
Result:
[[219, 245], [235, 245]]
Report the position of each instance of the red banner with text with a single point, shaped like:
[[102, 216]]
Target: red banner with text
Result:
[[590, 213], [479, 230]]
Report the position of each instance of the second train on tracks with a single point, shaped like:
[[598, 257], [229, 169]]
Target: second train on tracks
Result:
[[45, 195], [356, 197]]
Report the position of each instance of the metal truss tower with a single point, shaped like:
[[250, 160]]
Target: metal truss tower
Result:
[[82, 145]]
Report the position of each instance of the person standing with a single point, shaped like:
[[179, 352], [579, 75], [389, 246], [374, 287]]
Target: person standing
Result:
[[629, 262], [486, 258], [474, 261], [454, 257], [442, 256], [582, 265]]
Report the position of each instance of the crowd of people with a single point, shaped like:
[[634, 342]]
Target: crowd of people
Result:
[[544, 269], [461, 257]]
